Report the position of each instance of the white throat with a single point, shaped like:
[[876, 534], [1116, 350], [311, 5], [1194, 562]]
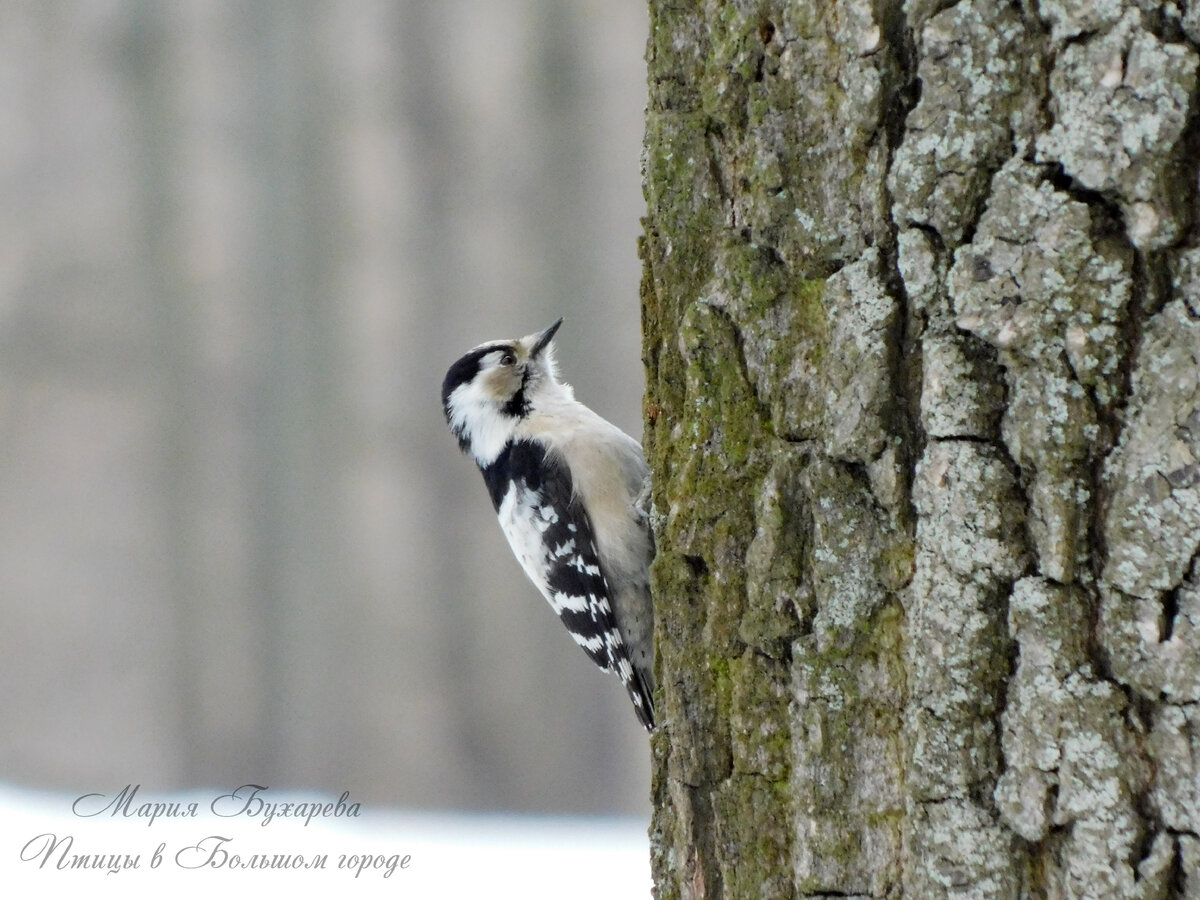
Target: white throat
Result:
[[474, 415]]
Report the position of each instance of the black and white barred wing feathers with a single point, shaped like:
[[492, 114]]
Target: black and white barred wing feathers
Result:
[[551, 536]]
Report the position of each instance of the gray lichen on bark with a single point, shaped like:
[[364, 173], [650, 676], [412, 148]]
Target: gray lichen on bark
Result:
[[1051, 299], [923, 410], [1122, 101], [975, 70]]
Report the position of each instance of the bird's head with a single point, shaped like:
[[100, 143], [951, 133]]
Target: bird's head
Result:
[[492, 388]]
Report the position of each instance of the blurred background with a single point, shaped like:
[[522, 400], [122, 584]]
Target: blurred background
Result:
[[242, 242]]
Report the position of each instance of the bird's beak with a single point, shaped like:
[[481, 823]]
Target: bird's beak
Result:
[[542, 339]]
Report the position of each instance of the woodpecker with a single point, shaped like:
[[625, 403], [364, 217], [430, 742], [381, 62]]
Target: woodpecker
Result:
[[565, 484]]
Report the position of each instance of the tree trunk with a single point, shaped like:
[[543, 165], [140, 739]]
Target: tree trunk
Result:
[[922, 329]]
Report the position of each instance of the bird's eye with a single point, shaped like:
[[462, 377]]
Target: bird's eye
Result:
[[508, 359]]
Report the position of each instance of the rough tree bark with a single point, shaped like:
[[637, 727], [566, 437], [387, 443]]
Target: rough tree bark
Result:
[[922, 333]]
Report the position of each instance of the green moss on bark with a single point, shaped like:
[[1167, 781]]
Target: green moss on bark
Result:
[[880, 413], [740, 244]]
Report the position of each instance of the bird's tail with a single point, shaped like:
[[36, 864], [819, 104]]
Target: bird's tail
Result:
[[642, 695]]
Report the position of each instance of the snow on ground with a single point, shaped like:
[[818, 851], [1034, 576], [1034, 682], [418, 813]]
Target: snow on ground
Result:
[[244, 843]]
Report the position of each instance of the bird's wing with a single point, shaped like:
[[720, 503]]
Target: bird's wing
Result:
[[551, 536]]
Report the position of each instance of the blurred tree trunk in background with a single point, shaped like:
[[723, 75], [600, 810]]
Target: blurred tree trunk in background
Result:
[[922, 327], [242, 243]]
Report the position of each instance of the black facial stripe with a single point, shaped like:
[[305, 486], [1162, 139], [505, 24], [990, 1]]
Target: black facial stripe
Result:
[[518, 406], [466, 369]]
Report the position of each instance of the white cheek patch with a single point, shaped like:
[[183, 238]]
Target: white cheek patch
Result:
[[474, 414]]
